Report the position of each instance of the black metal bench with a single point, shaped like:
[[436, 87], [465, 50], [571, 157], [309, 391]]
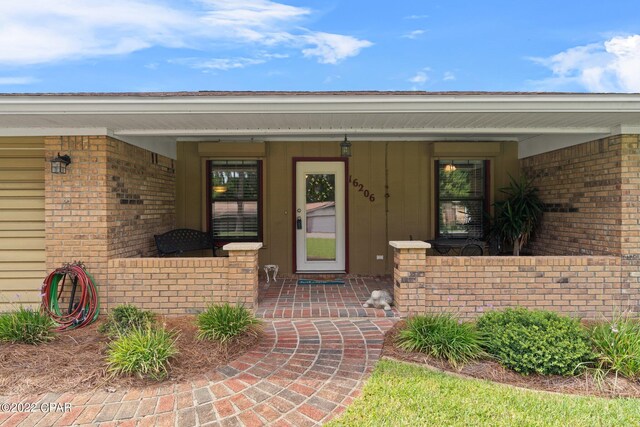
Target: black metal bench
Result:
[[178, 241]]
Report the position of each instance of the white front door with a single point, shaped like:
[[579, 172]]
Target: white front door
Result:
[[320, 216]]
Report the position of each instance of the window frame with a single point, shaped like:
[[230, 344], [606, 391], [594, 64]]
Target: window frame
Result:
[[209, 201], [486, 203]]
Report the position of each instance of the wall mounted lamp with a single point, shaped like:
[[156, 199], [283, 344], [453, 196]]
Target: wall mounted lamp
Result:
[[345, 148], [59, 164]]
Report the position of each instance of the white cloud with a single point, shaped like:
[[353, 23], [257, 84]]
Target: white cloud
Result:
[[448, 76], [416, 16], [610, 66], [44, 31], [17, 80], [41, 31], [420, 78], [413, 34], [331, 79], [223, 64], [333, 48], [274, 55]]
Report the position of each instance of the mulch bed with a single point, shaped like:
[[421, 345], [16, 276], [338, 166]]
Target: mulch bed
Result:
[[75, 360], [493, 371]]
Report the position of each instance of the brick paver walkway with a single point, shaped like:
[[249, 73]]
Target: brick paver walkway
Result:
[[304, 373], [284, 299]]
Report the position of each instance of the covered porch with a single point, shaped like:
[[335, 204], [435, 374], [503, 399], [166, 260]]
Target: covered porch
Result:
[[143, 164]]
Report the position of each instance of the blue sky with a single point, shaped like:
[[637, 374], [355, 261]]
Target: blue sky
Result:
[[158, 45]]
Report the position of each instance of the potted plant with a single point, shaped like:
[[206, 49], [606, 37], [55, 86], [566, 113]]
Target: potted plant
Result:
[[518, 216]]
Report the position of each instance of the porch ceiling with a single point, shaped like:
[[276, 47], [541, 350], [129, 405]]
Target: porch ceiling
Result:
[[539, 122]]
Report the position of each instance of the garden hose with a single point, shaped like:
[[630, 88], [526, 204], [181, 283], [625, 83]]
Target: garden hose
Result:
[[83, 308]]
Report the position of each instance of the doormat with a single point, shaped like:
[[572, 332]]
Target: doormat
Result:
[[319, 282]]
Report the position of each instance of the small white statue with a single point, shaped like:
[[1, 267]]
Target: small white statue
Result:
[[379, 299]]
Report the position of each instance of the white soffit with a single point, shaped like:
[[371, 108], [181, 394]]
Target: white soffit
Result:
[[539, 122], [165, 146], [538, 144]]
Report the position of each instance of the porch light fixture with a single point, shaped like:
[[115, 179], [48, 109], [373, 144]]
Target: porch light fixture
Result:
[[449, 168], [59, 164], [345, 148]]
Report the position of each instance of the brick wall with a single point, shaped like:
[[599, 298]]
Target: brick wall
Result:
[[592, 197], [581, 187], [409, 271], [186, 285], [586, 286], [140, 199], [243, 274], [630, 188], [76, 226], [111, 201], [105, 211], [168, 285]]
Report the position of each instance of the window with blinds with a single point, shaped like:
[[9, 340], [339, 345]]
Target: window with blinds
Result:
[[462, 198], [234, 189]]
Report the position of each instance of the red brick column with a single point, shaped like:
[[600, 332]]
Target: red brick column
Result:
[[243, 274], [410, 262]]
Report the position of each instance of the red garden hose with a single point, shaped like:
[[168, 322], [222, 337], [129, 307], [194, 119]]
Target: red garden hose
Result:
[[83, 308]]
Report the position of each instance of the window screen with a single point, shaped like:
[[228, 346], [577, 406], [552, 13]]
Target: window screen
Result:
[[234, 188], [461, 198]]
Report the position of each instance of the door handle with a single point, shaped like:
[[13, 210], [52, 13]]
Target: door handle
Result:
[[299, 223]]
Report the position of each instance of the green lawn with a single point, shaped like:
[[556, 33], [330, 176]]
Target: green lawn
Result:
[[399, 394], [321, 249]]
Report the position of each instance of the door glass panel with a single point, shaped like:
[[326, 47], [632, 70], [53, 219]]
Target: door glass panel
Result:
[[321, 217]]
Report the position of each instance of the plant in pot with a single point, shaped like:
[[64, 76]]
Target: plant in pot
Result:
[[519, 214]]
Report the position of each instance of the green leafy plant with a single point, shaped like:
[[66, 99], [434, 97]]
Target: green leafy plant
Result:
[[126, 318], [144, 352], [442, 336], [617, 346], [533, 341], [225, 322], [519, 214], [26, 326]]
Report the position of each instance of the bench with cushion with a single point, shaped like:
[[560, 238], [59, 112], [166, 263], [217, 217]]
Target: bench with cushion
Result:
[[178, 241]]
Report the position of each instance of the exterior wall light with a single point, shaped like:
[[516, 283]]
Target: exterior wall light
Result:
[[345, 148], [59, 164]]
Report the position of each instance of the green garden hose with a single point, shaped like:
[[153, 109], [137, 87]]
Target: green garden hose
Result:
[[82, 310]]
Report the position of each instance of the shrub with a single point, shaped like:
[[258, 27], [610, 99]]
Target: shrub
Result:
[[144, 352], [617, 346], [26, 326], [225, 322], [540, 342], [442, 336], [126, 318]]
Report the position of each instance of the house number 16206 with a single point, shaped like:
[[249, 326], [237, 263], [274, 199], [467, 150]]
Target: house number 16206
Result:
[[365, 192]]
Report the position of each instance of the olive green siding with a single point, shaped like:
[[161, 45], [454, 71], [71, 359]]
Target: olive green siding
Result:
[[403, 170]]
